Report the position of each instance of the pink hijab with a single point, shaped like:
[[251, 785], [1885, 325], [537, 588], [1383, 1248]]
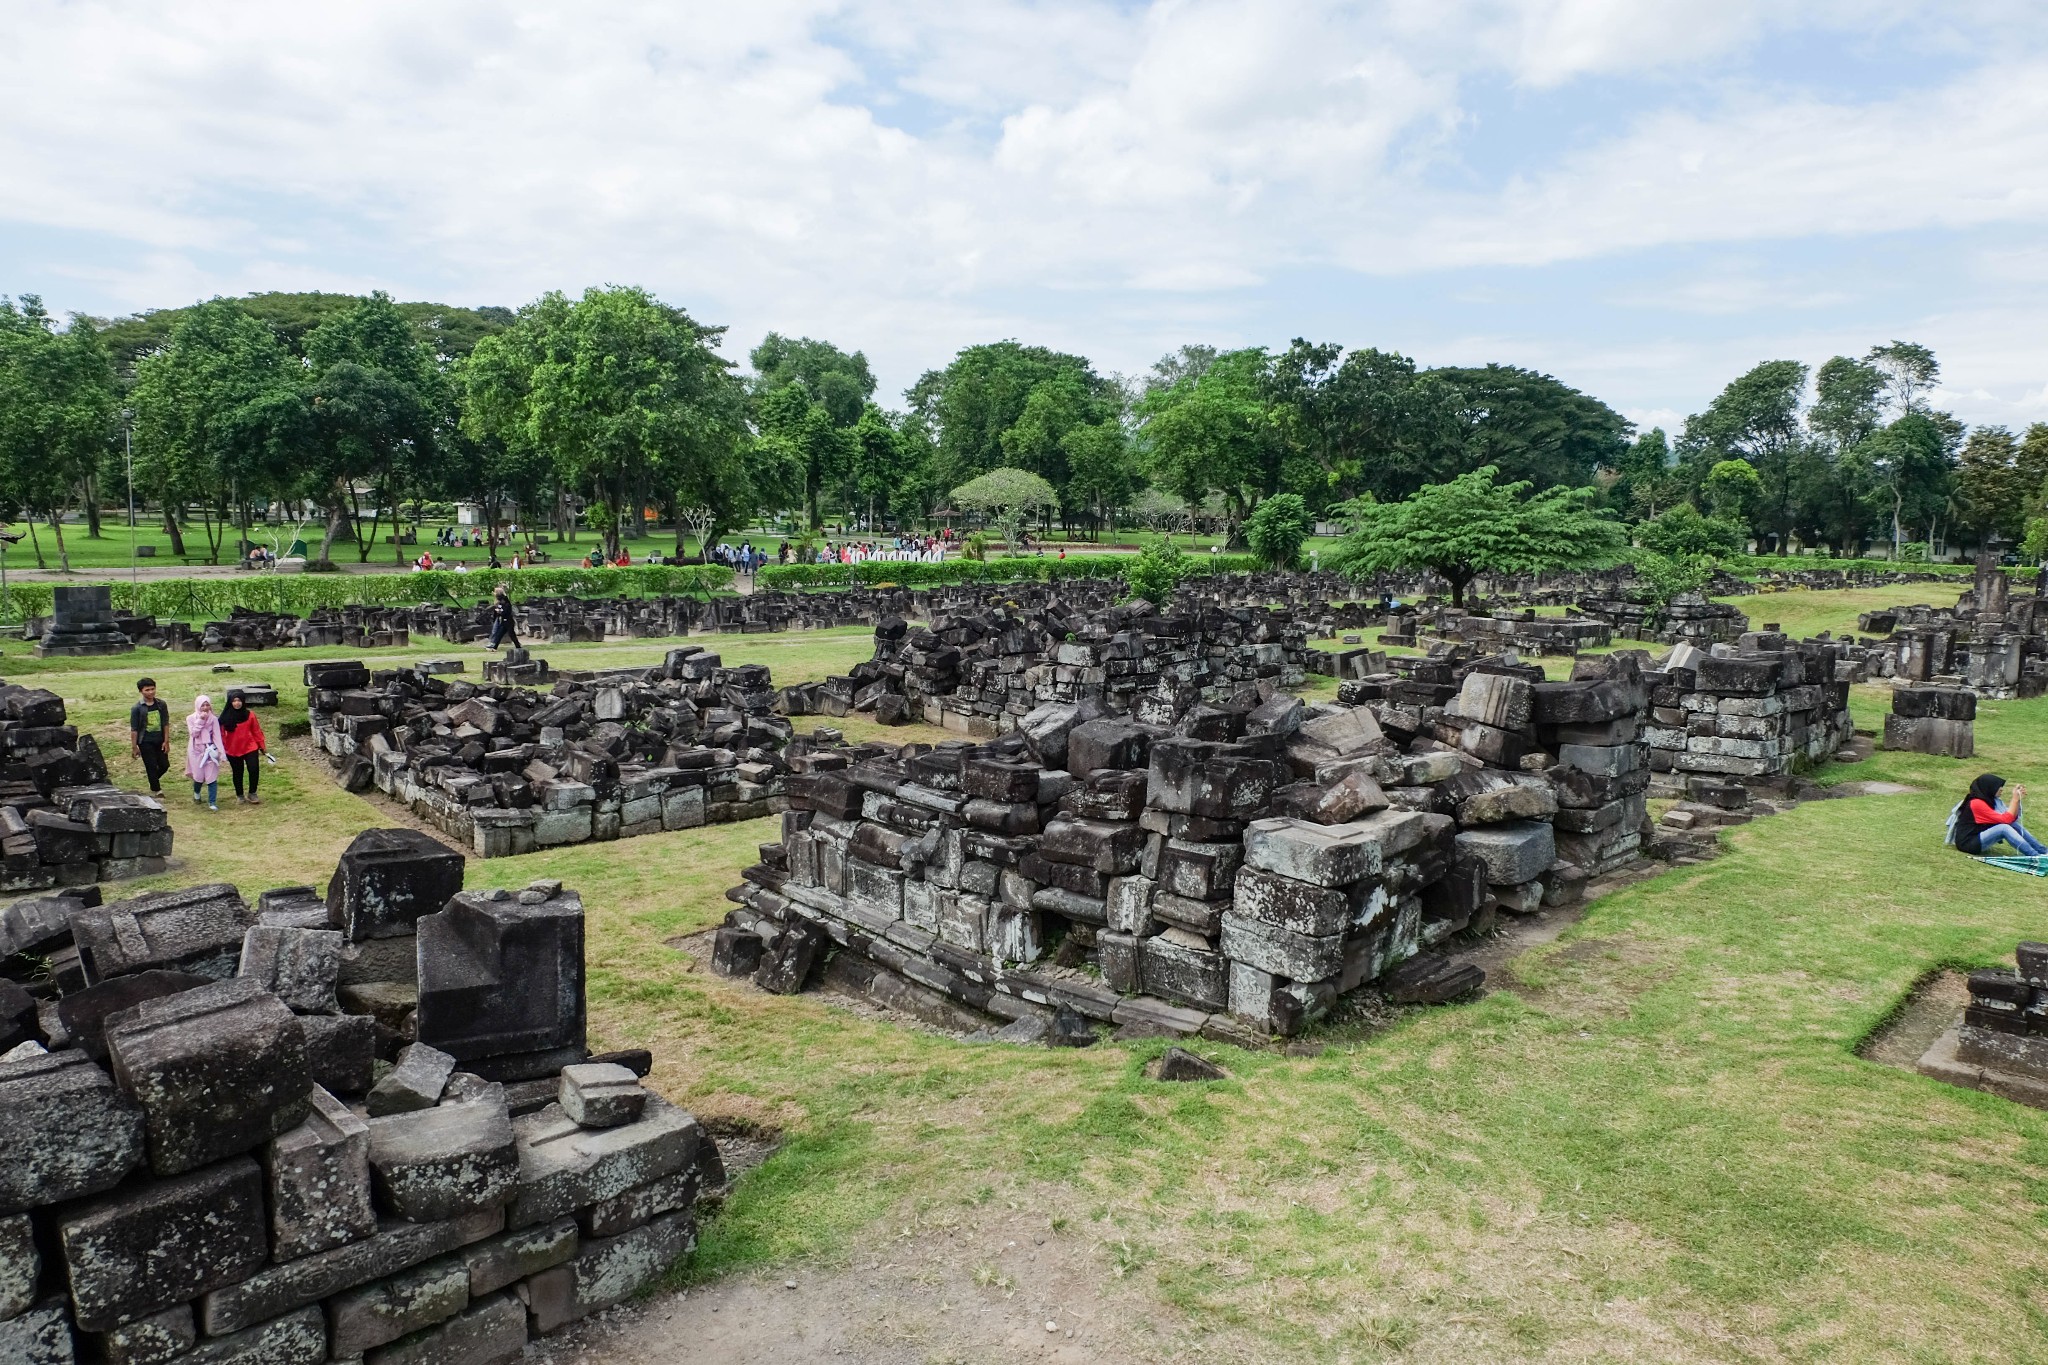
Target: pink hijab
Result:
[[203, 747]]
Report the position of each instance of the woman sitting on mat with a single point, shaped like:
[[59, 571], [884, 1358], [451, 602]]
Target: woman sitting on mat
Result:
[[1982, 822]]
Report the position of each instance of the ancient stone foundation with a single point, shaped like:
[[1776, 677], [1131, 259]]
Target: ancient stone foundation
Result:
[[82, 623], [362, 1127], [604, 755]]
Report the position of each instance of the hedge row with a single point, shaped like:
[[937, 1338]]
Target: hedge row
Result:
[[211, 599], [915, 574]]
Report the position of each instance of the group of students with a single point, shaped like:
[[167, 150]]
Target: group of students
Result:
[[233, 736]]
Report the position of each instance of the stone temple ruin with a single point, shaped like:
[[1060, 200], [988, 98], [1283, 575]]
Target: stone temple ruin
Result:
[[603, 755], [358, 1127], [61, 823], [1144, 838]]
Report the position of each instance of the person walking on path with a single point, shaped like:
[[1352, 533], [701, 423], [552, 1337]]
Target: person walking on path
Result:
[[149, 730], [504, 624], [204, 751], [242, 738]]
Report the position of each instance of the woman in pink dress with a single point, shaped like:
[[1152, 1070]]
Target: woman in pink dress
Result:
[[204, 750]]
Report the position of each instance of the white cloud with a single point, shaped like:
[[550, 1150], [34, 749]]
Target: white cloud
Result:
[[912, 177]]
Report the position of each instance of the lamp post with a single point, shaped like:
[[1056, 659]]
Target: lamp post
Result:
[[128, 454]]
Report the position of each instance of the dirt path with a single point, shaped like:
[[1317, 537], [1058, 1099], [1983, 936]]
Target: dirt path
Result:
[[995, 1285]]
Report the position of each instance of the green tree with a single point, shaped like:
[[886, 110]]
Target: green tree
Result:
[[1756, 419], [1101, 473], [1277, 529], [1907, 467], [1155, 571], [1680, 531], [984, 392], [377, 399], [1214, 432], [1645, 473], [801, 437], [1005, 496], [57, 405], [1534, 427], [219, 419], [1734, 489], [884, 462], [1475, 524], [1993, 494], [1847, 411], [1910, 373], [631, 397]]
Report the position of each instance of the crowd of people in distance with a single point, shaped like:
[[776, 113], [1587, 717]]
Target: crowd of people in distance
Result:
[[899, 549]]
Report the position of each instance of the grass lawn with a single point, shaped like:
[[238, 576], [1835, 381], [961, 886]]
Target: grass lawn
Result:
[[1657, 1143]]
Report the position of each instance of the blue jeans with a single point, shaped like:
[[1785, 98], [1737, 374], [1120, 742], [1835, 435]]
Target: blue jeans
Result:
[[212, 791], [2012, 834]]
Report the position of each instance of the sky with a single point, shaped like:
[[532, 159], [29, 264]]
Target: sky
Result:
[[1642, 198]]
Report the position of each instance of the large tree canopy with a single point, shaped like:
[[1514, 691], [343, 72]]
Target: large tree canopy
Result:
[[56, 410], [1474, 524], [981, 409], [219, 418], [1531, 426]]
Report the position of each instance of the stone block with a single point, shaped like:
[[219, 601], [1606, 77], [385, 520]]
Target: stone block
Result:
[[341, 1051], [1178, 971], [319, 1181], [279, 1289], [601, 1095], [217, 1069], [1305, 908], [41, 1336], [610, 1217], [1609, 760], [151, 1340], [1281, 951], [374, 1314], [197, 930], [504, 1260], [788, 965], [441, 1163], [415, 1082], [488, 1332], [142, 1250], [84, 1013], [564, 1166], [1199, 871], [296, 1339], [1128, 905], [1325, 855], [21, 1265], [1512, 853], [1500, 700], [1214, 781], [608, 1270], [735, 952], [1107, 743], [298, 966], [1046, 729], [502, 974], [388, 879], [1105, 846], [1752, 677], [63, 1092]]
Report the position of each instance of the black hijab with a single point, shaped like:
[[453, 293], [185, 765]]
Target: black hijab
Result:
[[232, 715], [1985, 788]]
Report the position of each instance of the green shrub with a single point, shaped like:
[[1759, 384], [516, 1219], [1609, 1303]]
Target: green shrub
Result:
[[213, 598], [1277, 528], [1156, 571]]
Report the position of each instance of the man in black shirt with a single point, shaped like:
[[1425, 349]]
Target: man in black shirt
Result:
[[149, 728]]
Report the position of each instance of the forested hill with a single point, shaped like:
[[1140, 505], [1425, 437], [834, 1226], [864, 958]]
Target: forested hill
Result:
[[452, 332]]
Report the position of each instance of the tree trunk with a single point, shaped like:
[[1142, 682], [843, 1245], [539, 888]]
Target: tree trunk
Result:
[[63, 555], [336, 515], [171, 529], [92, 507], [1457, 578], [35, 543]]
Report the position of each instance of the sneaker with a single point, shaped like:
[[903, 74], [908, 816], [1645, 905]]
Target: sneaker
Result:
[[212, 807], [255, 800]]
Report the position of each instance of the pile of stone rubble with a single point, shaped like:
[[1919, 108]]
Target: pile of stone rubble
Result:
[[979, 673], [218, 1143], [603, 755], [61, 824], [1993, 641]]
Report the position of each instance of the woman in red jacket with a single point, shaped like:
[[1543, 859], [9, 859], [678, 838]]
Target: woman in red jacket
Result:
[[242, 737], [1982, 822]]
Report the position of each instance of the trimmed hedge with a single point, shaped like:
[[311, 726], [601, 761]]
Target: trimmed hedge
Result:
[[211, 599], [915, 574]]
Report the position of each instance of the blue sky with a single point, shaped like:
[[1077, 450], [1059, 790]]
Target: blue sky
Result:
[[1642, 198]]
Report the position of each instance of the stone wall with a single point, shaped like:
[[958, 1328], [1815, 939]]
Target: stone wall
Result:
[[215, 1147], [1762, 710], [603, 755], [61, 823]]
